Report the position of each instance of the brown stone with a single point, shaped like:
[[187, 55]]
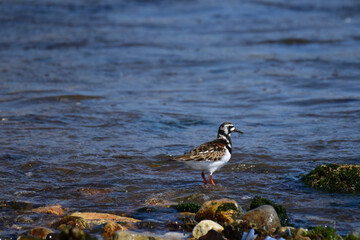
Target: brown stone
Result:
[[221, 211], [101, 218], [40, 232], [72, 221], [110, 228], [53, 209], [265, 217]]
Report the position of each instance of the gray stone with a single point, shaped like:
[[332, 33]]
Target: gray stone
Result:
[[265, 217]]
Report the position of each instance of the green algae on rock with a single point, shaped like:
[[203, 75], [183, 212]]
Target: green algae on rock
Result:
[[188, 207], [323, 233], [280, 210], [335, 178]]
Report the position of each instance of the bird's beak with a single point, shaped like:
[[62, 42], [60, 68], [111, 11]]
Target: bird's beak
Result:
[[237, 130]]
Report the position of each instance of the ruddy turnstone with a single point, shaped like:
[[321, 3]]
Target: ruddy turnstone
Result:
[[212, 155]]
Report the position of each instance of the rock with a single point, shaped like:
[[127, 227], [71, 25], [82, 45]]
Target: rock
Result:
[[128, 235], [188, 207], [75, 234], [265, 217], [222, 211], [154, 201], [23, 219], [280, 210], [101, 218], [95, 191], [40, 232], [212, 235], [71, 221], [20, 205], [335, 178], [27, 238], [53, 209], [110, 228], [204, 226], [235, 230]]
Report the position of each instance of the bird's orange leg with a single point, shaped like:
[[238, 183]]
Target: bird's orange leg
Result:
[[211, 180], [203, 176]]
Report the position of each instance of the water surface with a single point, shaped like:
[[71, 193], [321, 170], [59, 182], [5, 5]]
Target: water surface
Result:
[[96, 94]]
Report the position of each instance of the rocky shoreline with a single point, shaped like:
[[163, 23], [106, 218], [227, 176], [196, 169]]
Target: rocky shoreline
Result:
[[215, 219]]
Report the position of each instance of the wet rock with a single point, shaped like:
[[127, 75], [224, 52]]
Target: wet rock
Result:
[[280, 210], [23, 219], [222, 211], [75, 234], [53, 236], [53, 209], [17, 205], [203, 227], [95, 191], [110, 228], [101, 218], [40, 232], [235, 230], [265, 217], [27, 238], [188, 207], [128, 235], [71, 221], [187, 224], [212, 235], [175, 235], [335, 178], [291, 233], [154, 201]]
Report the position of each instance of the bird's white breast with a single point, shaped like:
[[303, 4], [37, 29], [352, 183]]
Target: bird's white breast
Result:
[[210, 166]]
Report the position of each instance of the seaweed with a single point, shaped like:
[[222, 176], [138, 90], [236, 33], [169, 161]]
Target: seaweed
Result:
[[334, 178], [187, 207], [323, 233]]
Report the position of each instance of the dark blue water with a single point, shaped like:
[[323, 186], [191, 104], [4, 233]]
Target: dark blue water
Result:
[[96, 94]]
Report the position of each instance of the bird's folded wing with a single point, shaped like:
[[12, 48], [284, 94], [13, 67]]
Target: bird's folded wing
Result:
[[210, 151]]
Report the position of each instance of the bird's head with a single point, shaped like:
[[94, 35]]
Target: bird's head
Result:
[[226, 128]]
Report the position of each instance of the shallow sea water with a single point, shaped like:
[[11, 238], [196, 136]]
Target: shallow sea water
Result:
[[96, 94]]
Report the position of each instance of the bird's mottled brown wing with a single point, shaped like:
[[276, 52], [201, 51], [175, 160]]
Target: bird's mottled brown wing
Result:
[[210, 151]]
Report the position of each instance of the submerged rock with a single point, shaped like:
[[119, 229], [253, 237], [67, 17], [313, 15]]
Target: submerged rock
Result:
[[53, 209], [102, 218], [23, 219], [18, 205], [188, 207], [95, 191], [335, 178], [265, 217], [221, 211], [75, 234], [128, 235], [40, 232], [71, 221], [203, 227], [110, 228]]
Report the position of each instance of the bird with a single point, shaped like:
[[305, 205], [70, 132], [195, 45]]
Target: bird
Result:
[[211, 156]]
